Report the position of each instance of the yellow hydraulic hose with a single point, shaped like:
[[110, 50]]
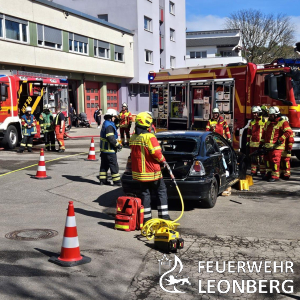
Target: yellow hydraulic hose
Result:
[[149, 229]]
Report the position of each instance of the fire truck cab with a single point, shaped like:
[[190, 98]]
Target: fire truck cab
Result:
[[20, 89], [184, 98]]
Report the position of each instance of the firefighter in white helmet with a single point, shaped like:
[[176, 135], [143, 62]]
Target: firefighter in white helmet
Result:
[[218, 124], [274, 136], [125, 123], [109, 145], [254, 134], [28, 122]]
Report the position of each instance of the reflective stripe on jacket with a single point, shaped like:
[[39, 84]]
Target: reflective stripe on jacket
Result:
[[146, 157], [28, 122], [219, 126], [277, 130], [105, 145], [255, 131], [125, 119]]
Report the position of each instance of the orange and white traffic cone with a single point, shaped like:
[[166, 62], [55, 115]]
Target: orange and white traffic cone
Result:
[[92, 154], [70, 253], [41, 170]]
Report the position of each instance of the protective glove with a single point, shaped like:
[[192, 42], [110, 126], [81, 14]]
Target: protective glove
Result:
[[261, 146], [119, 147], [278, 143], [229, 140], [164, 164]]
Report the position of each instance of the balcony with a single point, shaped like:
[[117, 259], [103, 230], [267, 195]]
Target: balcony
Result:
[[161, 42]]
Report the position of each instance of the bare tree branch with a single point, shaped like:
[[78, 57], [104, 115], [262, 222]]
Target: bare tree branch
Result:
[[264, 37]]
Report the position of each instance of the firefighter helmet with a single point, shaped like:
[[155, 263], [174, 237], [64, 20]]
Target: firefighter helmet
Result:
[[274, 110], [264, 108], [125, 105], [216, 111], [28, 108], [47, 106], [285, 118], [150, 113], [143, 119], [111, 112], [255, 109]]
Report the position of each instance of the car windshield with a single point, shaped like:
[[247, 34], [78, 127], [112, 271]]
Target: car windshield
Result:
[[178, 145]]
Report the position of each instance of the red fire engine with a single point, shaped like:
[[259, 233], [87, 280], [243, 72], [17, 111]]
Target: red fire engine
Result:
[[20, 89], [184, 98]]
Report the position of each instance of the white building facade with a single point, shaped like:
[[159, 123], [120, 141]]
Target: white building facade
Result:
[[216, 47], [159, 42], [44, 37]]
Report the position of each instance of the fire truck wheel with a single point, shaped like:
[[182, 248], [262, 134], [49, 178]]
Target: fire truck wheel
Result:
[[212, 195], [10, 139]]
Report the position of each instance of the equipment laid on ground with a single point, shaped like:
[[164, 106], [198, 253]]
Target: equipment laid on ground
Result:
[[163, 231], [92, 153], [41, 171], [130, 214], [70, 253]]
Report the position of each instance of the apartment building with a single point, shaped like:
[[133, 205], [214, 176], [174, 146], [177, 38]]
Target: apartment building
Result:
[[44, 37], [159, 40], [215, 47]]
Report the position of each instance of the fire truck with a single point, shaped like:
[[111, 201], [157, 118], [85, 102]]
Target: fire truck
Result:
[[20, 89], [183, 99]]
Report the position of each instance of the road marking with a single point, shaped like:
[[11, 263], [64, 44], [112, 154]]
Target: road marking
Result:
[[45, 162]]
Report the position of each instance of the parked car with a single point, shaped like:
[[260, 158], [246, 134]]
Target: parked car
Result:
[[203, 163]]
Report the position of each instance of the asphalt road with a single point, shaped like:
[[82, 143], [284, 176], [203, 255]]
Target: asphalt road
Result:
[[123, 266]]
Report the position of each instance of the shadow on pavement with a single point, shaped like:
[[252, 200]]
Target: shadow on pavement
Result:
[[108, 225], [47, 253], [80, 179]]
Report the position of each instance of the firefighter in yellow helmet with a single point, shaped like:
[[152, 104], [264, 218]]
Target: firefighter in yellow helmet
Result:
[[125, 118], [146, 162]]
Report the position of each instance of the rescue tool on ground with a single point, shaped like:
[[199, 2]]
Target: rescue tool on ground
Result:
[[166, 238]]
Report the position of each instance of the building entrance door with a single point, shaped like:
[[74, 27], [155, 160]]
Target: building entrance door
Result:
[[113, 96], [92, 99]]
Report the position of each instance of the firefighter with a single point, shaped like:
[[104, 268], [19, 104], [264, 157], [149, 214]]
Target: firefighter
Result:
[[47, 126], [275, 133], [125, 123], [28, 122], [285, 162], [59, 123], [109, 146], [265, 112], [254, 134], [218, 124], [146, 162]]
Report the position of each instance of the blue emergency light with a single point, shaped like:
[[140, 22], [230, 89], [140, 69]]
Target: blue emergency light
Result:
[[151, 76]]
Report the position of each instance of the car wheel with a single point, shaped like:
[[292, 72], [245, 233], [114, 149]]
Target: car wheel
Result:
[[212, 195], [10, 139]]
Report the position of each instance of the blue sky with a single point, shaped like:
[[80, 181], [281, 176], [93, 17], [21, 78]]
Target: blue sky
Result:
[[211, 14]]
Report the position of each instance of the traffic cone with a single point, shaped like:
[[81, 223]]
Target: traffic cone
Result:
[[70, 252], [41, 170], [92, 155]]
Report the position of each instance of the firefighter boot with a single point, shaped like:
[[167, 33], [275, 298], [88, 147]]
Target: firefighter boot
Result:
[[105, 182]]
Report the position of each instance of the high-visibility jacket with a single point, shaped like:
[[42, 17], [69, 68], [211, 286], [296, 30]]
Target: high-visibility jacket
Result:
[[146, 157], [255, 131], [47, 122], [28, 121], [279, 129], [125, 119], [152, 129], [219, 126], [108, 137], [288, 146]]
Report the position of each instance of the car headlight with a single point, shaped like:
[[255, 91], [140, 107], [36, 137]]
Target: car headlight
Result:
[[197, 169]]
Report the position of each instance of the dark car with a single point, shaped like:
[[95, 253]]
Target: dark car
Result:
[[204, 165]]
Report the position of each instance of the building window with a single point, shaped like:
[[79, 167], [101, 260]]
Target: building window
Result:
[[172, 34], [144, 89], [172, 8], [78, 43], [226, 53], [148, 56], [147, 24], [119, 53], [88, 98], [101, 49], [172, 61], [103, 17], [96, 98], [13, 28], [198, 54], [49, 36]]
